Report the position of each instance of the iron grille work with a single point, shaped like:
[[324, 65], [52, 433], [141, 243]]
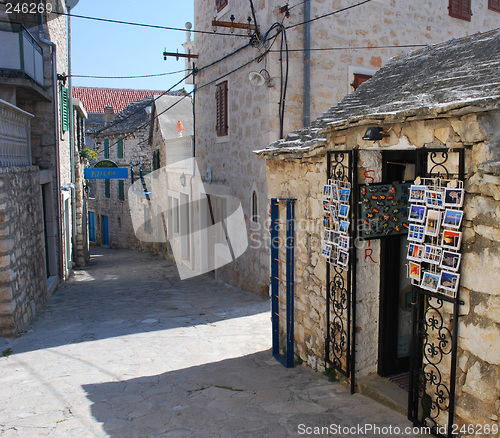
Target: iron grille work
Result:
[[433, 360], [340, 280], [282, 280]]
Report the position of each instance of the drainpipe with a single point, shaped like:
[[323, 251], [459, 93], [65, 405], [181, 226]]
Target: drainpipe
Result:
[[41, 36], [307, 64], [71, 139]]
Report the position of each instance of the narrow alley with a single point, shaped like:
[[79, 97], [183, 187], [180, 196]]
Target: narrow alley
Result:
[[126, 349]]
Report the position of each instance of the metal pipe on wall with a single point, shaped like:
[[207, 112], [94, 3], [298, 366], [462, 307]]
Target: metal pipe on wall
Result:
[[307, 65]]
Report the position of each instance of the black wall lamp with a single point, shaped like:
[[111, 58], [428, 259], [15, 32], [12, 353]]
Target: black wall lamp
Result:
[[374, 133]]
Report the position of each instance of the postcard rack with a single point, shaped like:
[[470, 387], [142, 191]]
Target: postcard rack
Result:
[[434, 234]]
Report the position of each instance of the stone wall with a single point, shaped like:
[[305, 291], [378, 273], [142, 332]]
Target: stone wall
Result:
[[23, 279], [121, 230], [478, 371], [253, 111]]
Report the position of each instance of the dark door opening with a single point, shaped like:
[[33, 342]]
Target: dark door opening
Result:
[[395, 291]]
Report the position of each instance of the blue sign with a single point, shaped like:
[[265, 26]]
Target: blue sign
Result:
[[106, 173]]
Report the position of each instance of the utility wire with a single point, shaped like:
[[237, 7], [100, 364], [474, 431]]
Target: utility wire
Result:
[[402, 46], [330, 13], [152, 26], [128, 77]]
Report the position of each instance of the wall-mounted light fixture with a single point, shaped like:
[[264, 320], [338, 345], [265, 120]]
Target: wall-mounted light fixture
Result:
[[208, 175], [183, 180], [257, 79], [374, 133]]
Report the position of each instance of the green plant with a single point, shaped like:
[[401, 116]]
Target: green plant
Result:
[[90, 154], [7, 352], [331, 374]]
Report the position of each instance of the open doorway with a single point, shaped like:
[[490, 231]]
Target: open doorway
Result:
[[395, 289]]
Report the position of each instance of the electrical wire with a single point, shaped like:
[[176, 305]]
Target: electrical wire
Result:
[[128, 77], [326, 49], [330, 13], [152, 26]]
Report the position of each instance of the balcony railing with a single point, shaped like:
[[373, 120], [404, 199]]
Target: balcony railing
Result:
[[20, 52], [15, 136]]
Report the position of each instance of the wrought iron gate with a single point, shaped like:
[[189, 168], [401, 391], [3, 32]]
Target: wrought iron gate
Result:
[[433, 351], [341, 282], [282, 265]]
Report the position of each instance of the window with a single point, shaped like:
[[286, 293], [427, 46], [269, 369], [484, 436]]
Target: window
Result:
[[494, 5], [107, 188], [119, 151], [358, 80], [221, 4], [254, 217], [221, 114], [121, 190], [106, 148], [156, 159], [64, 109], [460, 9]]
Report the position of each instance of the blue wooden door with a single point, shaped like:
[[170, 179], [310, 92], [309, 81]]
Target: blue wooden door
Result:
[[105, 230], [92, 226]]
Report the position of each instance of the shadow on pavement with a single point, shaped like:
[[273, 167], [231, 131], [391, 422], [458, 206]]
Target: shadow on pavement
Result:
[[124, 292]]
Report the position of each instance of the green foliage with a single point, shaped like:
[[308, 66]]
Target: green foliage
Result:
[[7, 352], [90, 154], [331, 374]]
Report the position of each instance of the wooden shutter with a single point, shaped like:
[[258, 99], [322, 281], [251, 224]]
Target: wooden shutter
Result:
[[494, 5], [107, 188], [120, 148], [221, 114], [64, 109], [220, 4], [358, 80], [121, 191], [106, 148], [460, 9]]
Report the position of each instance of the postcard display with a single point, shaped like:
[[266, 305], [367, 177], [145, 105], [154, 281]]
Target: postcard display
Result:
[[434, 236], [336, 208]]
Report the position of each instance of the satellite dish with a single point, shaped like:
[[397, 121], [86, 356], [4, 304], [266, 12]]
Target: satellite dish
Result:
[[71, 3], [256, 79]]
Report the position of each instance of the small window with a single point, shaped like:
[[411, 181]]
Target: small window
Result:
[[460, 9], [121, 190], [221, 4], [255, 211], [358, 80], [107, 188], [221, 113], [119, 151], [106, 148], [494, 5]]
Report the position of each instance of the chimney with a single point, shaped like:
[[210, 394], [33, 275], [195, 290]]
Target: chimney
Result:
[[109, 115]]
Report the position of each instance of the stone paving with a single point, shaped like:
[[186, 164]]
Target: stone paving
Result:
[[126, 349]]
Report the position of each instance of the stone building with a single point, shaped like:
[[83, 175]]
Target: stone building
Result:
[[38, 163], [124, 142], [330, 49], [398, 284]]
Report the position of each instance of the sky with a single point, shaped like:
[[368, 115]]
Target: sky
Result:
[[109, 49]]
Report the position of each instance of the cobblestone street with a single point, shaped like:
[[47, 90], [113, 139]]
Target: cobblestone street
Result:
[[126, 349]]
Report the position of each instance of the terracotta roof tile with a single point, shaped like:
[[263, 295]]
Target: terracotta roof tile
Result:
[[95, 99]]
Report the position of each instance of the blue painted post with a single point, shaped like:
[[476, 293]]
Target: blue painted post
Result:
[[274, 276]]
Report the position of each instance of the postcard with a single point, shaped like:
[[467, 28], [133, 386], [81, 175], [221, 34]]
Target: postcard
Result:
[[416, 233], [327, 192], [343, 210], [417, 193], [334, 192], [432, 254], [417, 213], [343, 242], [451, 239], [430, 281], [434, 199], [432, 222], [452, 218], [414, 271], [449, 281], [344, 195], [343, 258], [453, 197], [450, 260], [415, 252], [326, 251], [344, 226]]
